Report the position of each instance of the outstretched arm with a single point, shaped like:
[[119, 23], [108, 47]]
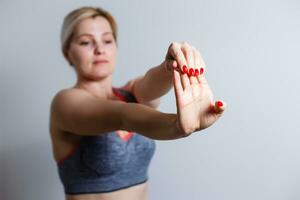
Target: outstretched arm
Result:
[[155, 83], [80, 113]]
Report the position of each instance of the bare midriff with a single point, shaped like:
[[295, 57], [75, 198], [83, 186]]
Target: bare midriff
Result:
[[137, 192]]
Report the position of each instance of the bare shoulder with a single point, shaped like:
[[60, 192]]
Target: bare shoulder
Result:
[[62, 99], [79, 112], [67, 96]]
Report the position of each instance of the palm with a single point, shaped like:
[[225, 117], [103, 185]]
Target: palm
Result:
[[194, 101], [196, 109]]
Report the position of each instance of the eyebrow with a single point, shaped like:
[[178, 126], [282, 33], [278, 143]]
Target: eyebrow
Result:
[[90, 35]]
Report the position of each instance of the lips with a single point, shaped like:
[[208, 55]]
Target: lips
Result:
[[100, 61]]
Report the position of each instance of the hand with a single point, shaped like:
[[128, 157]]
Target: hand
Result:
[[196, 109], [182, 56]]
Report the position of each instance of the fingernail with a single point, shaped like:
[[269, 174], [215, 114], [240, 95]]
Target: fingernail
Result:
[[191, 72], [219, 103], [185, 70], [196, 72], [201, 71]]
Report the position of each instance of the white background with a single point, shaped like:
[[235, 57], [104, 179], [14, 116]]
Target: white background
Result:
[[251, 49]]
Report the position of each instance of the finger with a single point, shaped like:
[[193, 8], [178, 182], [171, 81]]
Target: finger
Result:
[[185, 82], [189, 57], [219, 107], [171, 65], [197, 61], [201, 79], [175, 65], [177, 83], [185, 79], [200, 63], [177, 55], [193, 78]]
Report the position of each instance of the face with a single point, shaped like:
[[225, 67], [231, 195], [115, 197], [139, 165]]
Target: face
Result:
[[93, 49]]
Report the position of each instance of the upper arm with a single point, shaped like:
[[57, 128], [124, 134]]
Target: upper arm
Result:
[[80, 113], [130, 86]]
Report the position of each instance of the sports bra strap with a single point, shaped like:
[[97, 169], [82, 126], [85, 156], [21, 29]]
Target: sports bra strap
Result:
[[125, 95]]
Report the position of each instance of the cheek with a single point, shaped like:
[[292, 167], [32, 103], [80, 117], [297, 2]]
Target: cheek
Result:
[[82, 56], [113, 54]]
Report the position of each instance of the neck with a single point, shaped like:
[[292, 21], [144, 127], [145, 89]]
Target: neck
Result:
[[100, 88]]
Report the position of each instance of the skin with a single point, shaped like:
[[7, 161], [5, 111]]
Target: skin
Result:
[[91, 108], [93, 40]]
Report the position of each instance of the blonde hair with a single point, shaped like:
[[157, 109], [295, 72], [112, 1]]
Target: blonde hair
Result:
[[76, 16]]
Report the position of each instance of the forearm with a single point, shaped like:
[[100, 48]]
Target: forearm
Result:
[[149, 122], [156, 82]]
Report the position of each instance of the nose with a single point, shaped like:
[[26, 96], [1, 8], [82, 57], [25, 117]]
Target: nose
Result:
[[99, 49]]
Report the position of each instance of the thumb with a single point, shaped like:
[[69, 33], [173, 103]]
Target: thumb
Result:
[[175, 64], [219, 107], [171, 65]]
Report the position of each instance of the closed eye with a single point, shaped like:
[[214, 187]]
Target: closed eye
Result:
[[84, 43]]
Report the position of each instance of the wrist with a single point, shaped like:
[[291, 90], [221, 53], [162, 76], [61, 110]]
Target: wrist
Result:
[[179, 131]]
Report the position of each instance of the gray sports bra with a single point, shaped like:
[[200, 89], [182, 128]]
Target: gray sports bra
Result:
[[107, 162]]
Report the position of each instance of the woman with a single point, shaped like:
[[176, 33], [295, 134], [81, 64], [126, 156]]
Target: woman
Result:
[[103, 136]]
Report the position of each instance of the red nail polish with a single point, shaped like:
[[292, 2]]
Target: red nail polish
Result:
[[191, 72], [219, 104], [201, 71], [196, 72], [185, 70]]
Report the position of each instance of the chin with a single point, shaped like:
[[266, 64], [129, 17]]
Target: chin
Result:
[[102, 74]]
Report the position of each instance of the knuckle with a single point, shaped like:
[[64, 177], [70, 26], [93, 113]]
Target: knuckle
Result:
[[187, 48], [173, 44], [189, 56], [176, 53], [174, 49], [189, 51]]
